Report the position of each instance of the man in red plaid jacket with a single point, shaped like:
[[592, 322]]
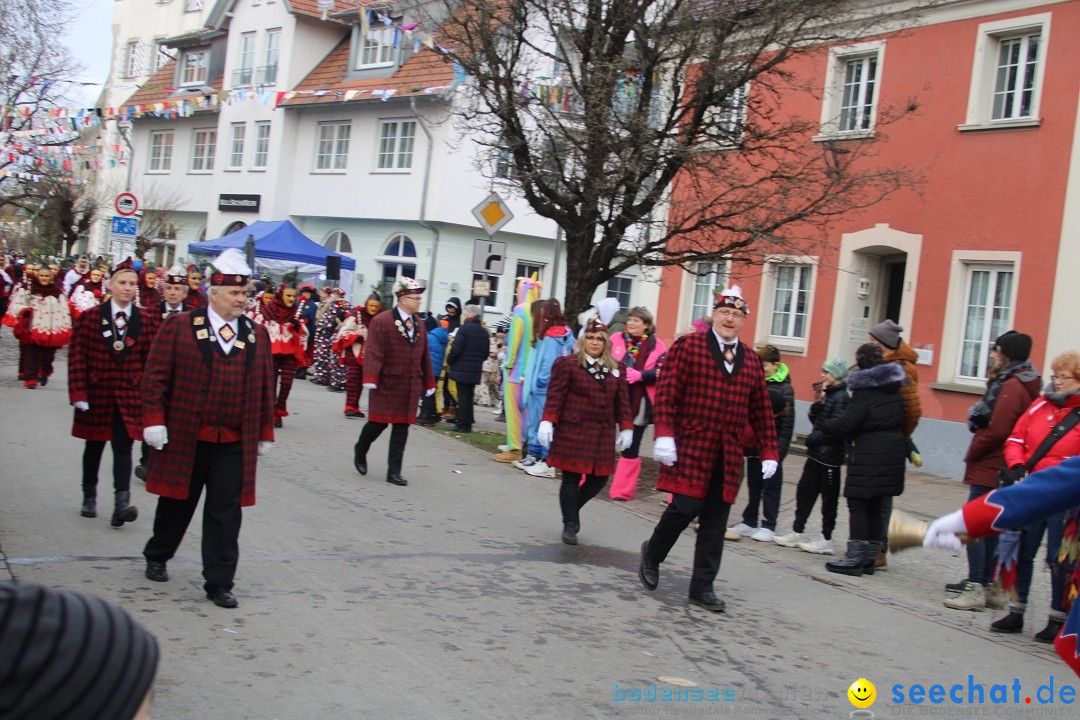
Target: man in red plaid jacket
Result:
[[710, 390], [208, 412]]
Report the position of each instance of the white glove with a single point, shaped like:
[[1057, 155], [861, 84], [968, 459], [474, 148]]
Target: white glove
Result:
[[626, 439], [427, 393], [664, 451], [156, 436], [768, 469], [943, 531], [370, 386], [82, 405], [545, 433], [265, 446]]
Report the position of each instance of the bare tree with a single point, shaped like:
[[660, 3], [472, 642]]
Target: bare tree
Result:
[[65, 215], [653, 132]]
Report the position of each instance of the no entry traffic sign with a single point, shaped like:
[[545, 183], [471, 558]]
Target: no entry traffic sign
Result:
[[126, 204]]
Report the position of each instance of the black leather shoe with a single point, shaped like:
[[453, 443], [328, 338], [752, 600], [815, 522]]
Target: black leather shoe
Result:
[[222, 598], [648, 571], [278, 423], [709, 601], [140, 472], [89, 507], [396, 479], [462, 428], [569, 533], [359, 462], [155, 570]]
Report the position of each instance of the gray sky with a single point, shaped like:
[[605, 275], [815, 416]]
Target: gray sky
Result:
[[90, 41]]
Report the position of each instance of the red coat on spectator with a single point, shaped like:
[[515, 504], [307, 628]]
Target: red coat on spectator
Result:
[[105, 378], [585, 412], [399, 367], [707, 410], [174, 394], [1033, 427]]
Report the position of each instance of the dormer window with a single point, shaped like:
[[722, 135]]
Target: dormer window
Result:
[[193, 67], [377, 49]]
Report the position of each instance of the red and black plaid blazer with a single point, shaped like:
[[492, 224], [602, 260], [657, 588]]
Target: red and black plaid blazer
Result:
[[585, 412], [707, 410], [400, 368], [175, 382], [105, 378]]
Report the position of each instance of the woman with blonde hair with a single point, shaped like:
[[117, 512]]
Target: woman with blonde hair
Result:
[[587, 398]]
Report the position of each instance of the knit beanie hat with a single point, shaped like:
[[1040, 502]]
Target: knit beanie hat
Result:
[[837, 367], [71, 656], [1014, 345], [887, 333]]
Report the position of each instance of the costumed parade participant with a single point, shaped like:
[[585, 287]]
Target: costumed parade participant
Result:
[[174, 292], [518, 346], [307, 309], [397, 371], [87, 293], [7, 283], [552, 339], [711, 390], [76, 273], [288, 338], [588, 398], [208, 413], [349, 346], [149, 295], [1040, 495], [327, 369], [196, 297], [41, 319], [105, 367]]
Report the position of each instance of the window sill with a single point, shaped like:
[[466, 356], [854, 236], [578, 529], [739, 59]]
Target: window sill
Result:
[[792, 347], [257, 170], [1000, 125], [392, 171], [233, 169], [329, 172], [958, 388], [825, 136], [158, 172], [200, 172]]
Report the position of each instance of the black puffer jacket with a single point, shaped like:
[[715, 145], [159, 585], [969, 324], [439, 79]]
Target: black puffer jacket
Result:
[[832, 405], [785, 419], [874, 421], [468, 352]]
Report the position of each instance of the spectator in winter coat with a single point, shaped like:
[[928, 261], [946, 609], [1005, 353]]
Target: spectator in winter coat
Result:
[[873, 421], [1013, 384], [821, 471], [765, 494], [466, 361], [437, 341]]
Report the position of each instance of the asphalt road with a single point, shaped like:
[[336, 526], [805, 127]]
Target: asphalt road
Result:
[[454, 597]]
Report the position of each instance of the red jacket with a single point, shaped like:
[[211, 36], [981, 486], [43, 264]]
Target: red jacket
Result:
[[103, 377], [707, 411], [585, 412], [174, 391], [1034, 425], [400, 368]]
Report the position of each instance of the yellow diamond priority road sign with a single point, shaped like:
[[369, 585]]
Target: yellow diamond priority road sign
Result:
[[492, 213]]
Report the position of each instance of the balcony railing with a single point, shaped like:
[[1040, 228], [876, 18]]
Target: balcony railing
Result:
[[245, 77], [266, 75], [242, 77]]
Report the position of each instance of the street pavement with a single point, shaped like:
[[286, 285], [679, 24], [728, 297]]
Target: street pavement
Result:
[[454, 597]]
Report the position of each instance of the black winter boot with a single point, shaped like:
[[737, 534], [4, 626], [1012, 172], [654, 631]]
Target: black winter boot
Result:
[[122, 512], [870, 558], [852, 562], [569, 532], [89, 505], [1053, 627], [1011, 623]]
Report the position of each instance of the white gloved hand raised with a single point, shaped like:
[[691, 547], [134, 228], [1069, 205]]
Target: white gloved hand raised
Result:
[[625, 440], [545, 433], [370, 386], [428, 393], [943, 532], [82, 405], [664, 451], [156, 436], [265, 446], [768, 468]]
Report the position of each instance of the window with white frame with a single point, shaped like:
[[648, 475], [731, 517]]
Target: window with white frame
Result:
[[504, 161], [987, 315], [338, 242], [268, 75], [1007, 76], [332, 146], [398, 260], [709, 278], [376, 49], [193, 67], [161, 54], [262, 144], [245, 74], [396, 140], [724, 124], [193, 5], [202, 150], [493, 291], [526, 269], [619, 288], [790, 300], [851, 93], [134, 58], [237, 133], [161, 149]]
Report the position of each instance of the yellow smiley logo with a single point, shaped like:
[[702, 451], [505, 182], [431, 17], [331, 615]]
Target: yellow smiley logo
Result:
[[862, 693]]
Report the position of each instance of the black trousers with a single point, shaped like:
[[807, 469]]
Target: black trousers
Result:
[[762, 493], [866, 517], [886, 514], [635, 447], [219, 468], [573, 494], [399, 435], [817, 479], [465, 392], [712, 512], [121, 448]]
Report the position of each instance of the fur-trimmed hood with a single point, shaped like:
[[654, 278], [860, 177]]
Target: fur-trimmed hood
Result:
[[876, 377]]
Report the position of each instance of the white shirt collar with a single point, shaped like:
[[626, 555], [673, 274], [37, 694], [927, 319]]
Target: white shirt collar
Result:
[[722, 341], [116, 308], [217, 321], [170, 308]]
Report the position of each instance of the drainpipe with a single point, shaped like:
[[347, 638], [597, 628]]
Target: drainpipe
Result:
[[423, 206]]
